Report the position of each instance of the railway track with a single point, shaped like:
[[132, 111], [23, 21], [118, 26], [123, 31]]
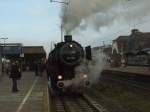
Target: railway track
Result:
[[132, 83], [131, 79], [76, 103]]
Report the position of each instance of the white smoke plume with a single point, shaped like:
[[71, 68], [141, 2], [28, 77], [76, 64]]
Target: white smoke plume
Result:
[[94, 68], [80, 15], [100, 13]]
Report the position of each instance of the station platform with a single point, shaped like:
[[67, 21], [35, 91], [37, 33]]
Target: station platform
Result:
[[130, 70], [32, 95]]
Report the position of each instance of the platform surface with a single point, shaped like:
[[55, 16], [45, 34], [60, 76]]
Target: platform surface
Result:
[[32, 95], [132, 69]]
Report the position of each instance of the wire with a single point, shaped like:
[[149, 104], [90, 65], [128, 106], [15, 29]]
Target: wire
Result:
[[59, 2]]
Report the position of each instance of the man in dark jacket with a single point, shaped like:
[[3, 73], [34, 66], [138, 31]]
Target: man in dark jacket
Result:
[[36, 68], [15, 74]]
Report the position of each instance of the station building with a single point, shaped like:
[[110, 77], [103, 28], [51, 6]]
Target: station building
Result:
[[32, 55], [8, 52], [134, 48], [12, 50], [26, 55]]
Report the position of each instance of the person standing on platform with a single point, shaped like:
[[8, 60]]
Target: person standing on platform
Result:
[[41, 68], [15, 74], [36, 65]]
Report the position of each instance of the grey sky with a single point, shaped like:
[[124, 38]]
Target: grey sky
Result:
[[37, 22]]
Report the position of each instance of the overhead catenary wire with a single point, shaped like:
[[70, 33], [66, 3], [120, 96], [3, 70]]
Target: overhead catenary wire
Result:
[[59, 2]]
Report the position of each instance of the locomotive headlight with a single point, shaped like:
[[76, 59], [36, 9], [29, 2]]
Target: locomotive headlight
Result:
[[60, 77], [85, 76], [71, 45]]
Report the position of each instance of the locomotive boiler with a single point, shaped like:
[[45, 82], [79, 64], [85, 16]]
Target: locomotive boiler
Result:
[[62, 62]]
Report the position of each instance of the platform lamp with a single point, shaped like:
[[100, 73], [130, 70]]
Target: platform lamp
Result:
[[4, 39]]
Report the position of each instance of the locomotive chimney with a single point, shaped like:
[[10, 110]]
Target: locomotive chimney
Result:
[[134, 31], [68, 38]]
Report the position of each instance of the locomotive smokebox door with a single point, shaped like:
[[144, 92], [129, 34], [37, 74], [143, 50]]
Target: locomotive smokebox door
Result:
[[88, 53], [68, 38]]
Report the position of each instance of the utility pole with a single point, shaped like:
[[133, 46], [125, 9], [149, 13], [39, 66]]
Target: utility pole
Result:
[[61, 33], [61, 27], [104, 43]]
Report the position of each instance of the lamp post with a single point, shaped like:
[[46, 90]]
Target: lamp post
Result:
[[61, 27], [4, 39]]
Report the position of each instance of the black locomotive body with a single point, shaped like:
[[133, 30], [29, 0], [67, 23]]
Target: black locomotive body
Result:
[[62, 61]]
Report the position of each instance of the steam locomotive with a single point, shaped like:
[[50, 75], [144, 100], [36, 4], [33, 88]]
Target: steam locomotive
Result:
[[62, 62]]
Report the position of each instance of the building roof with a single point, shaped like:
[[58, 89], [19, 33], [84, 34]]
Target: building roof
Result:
[[11, 49], [33, 50], [122, 38], [11, 44], [134, 42]]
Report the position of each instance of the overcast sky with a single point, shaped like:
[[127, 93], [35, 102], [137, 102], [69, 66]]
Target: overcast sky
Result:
[[37, 22], [31, 22]]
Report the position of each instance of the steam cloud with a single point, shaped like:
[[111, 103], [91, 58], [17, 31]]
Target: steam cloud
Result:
[[101, 13], [96, 14], [94, 68]]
